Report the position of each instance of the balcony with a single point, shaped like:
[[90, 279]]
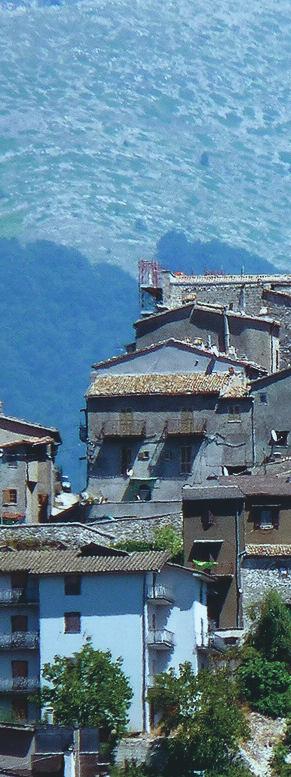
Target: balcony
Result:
[[123, 428], [26, 640], [19, 684], [18, 596], [83, 432], [215, 568], [160, 639], [160, 594], [185, 428]]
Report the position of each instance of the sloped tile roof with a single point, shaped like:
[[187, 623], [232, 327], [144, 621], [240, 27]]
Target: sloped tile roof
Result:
[[166, 384], [268, 550], [60, 562]]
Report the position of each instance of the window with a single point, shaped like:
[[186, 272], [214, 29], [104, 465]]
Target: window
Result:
[[126, 457], [266, 517], [20, 708], [18, 623], [19, 670], [9, 496], [263, 399], [234, 412], [282, 438], [72, 622], [143, 456], [72, 585], [12, 463], [186, 456]]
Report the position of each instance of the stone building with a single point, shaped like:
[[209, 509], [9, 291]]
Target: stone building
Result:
[[27, 470], [239, 530], [139, 606], [244, 335], [272, 416], [154, 423], [257, 295]]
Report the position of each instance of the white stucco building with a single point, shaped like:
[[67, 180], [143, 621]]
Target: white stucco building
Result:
[[139, 606]]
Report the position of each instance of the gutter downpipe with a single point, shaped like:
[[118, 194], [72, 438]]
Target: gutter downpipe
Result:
[[144, 661], [237, 570], [226, 334], [254, 452]]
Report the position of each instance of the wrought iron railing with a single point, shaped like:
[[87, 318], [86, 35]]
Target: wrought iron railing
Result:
[[19, 639], [17, 596], [161, 637], [160, 593], [25, 684]]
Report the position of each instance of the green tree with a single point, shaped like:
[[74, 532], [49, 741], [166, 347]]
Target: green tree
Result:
[[203, 713], [89, 689], [265, 685], [272, 630]]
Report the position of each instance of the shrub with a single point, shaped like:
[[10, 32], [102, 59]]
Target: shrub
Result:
[[272, 632], [265, 685]]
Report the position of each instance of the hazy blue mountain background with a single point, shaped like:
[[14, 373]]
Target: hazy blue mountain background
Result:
[[129, 129]]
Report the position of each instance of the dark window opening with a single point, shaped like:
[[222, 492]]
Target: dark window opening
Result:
[[186, 456], [266, 517], [282, 437], [264, 399], [18, 623], [20, 709], [72, 622], [9, 496], [144, 493], [234, 412], [72, 585], [205, 551], [126, 458], [143, 456]]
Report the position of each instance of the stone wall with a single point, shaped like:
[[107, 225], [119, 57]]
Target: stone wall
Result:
[[74, 534], [261, 575], [143, 529]]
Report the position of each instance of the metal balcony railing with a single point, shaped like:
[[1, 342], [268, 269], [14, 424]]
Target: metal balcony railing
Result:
[[160, 594], [189, 427], [19, 639], [161, 638], [21, 684], [18, 596], [123, 428]]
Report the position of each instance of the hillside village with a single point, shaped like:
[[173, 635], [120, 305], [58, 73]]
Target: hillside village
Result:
[[186, 434]]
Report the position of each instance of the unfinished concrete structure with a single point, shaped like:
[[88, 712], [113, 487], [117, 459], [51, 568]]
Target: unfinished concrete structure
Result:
[[27, 471], [239, 530]]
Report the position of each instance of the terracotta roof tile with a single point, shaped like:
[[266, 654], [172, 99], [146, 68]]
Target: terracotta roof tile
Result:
[[166, 384], [268, 550], [59, 562]]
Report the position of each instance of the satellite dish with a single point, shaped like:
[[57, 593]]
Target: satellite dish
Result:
[[224, 471], [129, 473], [274, 435]]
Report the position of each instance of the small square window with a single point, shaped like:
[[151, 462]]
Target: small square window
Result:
[[72, 585], [9, 496], [282, 438], [266, 517], [264, 399], [72, 622], [234, 412]]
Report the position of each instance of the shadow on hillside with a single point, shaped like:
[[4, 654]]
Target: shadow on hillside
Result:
[[59, 314], [176, 252]]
